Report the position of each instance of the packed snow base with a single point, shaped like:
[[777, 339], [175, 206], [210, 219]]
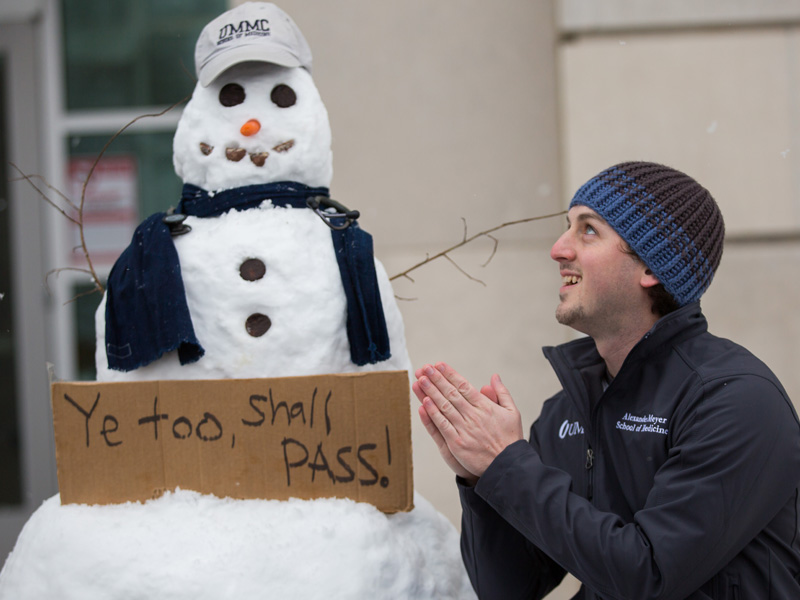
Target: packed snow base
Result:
[[189, 545]]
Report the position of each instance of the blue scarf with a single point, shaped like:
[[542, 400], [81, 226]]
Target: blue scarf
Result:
[[146, 310]]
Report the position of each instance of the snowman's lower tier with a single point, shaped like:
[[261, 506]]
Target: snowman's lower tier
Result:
[[266, 300], [186, 545]]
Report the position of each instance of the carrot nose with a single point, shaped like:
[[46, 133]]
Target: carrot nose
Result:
[[252, 127]]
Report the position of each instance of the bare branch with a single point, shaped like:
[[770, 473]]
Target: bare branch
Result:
[[89, 175], [467, 275], [79, 270], [52, 188], [57, 271], [78, 221], [115, 136], [467, 240], [82, 294], [45, 197], [494, 249]]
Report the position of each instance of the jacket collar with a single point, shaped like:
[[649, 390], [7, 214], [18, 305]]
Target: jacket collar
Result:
[[577, 363]]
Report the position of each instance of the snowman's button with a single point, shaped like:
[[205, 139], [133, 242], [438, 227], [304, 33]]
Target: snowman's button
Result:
[[252, 269], [257, 324]]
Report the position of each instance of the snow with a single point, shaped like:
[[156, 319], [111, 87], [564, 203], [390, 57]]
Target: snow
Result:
[[189, 545], [301, 292], [309, 161], [186, 545]]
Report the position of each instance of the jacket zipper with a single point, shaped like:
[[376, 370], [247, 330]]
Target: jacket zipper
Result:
[[589, 465]]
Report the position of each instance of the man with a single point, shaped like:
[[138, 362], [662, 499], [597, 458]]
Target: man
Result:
[[668, 465]]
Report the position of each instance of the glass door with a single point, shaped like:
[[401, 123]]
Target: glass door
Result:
[[10, 466]]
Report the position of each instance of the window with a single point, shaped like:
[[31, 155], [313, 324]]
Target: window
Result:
[[130, 53], [121, 59]]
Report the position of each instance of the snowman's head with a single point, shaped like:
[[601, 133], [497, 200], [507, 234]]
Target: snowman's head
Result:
[[256, 123], [255, 115]]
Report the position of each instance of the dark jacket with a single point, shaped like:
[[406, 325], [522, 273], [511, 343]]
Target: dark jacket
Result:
[[680, 480]]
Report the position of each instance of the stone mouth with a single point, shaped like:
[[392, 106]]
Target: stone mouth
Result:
[[237, 154]]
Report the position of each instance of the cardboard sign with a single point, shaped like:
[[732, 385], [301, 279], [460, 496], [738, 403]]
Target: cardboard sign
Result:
[[343, 436]]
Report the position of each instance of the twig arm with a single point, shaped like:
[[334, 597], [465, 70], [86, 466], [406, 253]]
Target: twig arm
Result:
[[466, 240]]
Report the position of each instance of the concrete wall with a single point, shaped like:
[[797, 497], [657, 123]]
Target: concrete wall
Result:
[[442, 111], [450, 110], [721, 105], [614, 15]]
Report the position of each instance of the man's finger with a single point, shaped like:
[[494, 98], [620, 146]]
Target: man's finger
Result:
[[441, 445], [415, 387], [446, 402], [440, 421], [427, 423], [431, 428], [490, 393], [504, 398], [460, 387]]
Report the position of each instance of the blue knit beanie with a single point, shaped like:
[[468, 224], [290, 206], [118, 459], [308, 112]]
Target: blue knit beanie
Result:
[[668, 219]]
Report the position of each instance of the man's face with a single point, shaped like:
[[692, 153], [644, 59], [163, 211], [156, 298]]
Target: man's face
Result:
[[602, 287]]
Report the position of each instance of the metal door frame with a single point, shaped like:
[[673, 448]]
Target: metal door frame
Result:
[[24, 142]]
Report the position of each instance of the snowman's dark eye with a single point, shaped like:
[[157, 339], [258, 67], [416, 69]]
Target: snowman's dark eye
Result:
[[231, 94], [283, 96]]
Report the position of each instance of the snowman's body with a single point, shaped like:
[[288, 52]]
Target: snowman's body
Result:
[[263, 286], [299, 297]]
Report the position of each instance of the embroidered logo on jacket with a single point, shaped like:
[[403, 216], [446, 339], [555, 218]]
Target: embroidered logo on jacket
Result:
[[570, 429], [643, 424]]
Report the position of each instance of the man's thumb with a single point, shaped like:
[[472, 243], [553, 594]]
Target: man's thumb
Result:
[[504, 398]]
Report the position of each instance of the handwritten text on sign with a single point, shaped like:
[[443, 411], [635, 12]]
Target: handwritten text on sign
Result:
[[306, 437]]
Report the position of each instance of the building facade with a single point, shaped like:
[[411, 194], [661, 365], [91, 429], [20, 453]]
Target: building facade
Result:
[[448, 119]]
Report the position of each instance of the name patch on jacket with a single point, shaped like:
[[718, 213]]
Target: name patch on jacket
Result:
[[643, 424]]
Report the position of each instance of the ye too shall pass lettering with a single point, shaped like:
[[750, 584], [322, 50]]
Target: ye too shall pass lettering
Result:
[[649, 423]]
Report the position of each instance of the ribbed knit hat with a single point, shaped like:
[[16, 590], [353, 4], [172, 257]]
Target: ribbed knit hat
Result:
[[666, 217]]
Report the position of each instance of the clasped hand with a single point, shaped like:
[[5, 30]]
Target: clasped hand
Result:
[[470, 427]]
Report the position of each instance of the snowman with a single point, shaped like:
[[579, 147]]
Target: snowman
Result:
[[275, 278], [257, 272]]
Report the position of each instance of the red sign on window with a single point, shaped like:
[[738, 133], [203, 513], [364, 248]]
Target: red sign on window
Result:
[[110, 206]]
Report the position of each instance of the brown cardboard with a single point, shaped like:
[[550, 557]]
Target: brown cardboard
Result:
[[346, 435]]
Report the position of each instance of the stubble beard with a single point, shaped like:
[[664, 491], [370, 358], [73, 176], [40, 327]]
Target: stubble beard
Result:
[[569, 315]]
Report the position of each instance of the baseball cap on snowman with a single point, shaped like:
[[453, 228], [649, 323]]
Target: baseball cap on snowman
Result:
[[253, 31]]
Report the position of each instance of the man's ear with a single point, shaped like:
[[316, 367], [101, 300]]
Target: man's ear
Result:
[[648, 279]]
